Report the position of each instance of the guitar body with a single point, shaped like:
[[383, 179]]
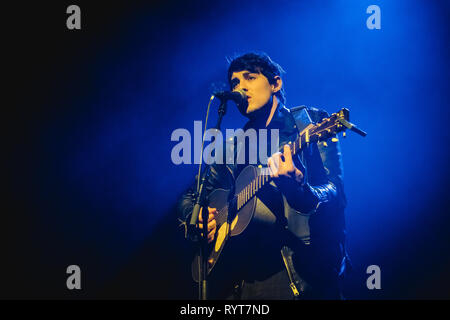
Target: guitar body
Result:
[[245, 214], [219, 199]]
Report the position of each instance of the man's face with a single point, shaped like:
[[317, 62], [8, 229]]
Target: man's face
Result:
[[256, 87]]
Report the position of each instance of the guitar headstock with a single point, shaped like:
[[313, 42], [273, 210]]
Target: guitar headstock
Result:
[[327, 128], [332, 125]]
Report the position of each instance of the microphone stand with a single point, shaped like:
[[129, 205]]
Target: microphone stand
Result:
[[193, 231]]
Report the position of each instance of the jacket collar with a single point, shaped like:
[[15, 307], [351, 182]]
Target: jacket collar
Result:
[[281, 120]]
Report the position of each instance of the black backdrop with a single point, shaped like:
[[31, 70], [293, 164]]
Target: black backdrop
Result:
[[55, 86]]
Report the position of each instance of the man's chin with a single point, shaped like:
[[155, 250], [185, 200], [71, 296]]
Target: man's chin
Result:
[[251, 110], [253, 113], [249, 113]]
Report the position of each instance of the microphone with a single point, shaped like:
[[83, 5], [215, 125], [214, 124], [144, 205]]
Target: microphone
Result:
[[239, 96]]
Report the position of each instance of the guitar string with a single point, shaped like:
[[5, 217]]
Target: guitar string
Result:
[[254, 183]]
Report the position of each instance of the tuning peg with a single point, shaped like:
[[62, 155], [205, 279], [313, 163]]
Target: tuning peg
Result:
[[344, 134], [325, 144], [334, 139]]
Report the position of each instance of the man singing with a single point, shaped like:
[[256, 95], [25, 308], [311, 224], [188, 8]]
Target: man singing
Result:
[[294, 247]]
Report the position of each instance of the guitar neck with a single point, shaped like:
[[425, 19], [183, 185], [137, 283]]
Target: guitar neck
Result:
[[313, 133], [263, 177]]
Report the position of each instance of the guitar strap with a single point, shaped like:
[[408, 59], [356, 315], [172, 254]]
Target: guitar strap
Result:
[[297, 284], [302, 120], [301, 117]]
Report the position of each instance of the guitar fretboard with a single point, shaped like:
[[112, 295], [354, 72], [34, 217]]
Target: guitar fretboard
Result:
[[313, 133]]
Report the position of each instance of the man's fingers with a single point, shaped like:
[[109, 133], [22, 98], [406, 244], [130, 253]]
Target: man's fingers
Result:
[[272, 168], [287, 154], [211, 224], [212, 231], [211, 215], [277, 158], [211, 236], [280, 164]]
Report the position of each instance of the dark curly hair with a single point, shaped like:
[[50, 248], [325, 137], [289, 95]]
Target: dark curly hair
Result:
[[257, 63]]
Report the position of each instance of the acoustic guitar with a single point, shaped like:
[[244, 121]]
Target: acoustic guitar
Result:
[[234, 215]]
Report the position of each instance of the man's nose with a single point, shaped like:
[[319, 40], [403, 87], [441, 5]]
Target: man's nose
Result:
[[242, 87]]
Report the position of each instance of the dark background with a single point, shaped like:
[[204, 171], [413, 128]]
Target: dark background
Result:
[[88, 117]]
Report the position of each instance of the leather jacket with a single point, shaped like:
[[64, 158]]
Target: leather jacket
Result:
[[321, 199]]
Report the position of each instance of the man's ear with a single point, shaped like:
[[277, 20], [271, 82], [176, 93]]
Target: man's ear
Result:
[[277, 85]]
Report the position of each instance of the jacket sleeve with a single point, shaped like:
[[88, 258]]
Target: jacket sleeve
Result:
[[324, 183]]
